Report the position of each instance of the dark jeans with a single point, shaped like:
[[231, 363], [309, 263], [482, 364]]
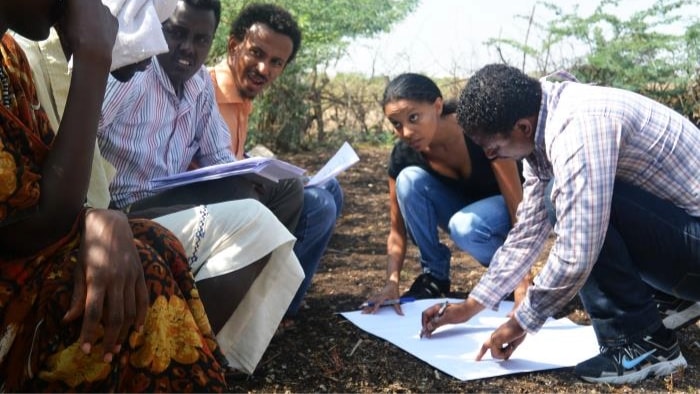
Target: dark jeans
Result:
[[650, 244], [284, 199], [322, 206]]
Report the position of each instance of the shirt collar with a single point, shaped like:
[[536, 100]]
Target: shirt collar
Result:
[[193, 86], [538, 158], [546, 83], [541, 121], [225, 87]]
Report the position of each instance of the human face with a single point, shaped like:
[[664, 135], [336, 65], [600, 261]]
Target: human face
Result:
[[30, 18], [517, 144], [189, 33], [415, 122], [259, 59]]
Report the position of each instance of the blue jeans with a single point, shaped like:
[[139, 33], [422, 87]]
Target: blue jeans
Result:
[[322, 206], [650, 244], [476, 227]]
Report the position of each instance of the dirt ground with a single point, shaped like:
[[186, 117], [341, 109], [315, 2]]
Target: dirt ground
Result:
[[326, 353]]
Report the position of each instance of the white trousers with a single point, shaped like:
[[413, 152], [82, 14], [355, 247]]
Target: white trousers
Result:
[[225, 237]]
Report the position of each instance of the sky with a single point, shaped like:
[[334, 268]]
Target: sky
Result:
[[445, 37]]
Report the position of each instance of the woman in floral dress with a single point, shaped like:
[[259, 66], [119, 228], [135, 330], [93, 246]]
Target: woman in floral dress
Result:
[[89, 300]]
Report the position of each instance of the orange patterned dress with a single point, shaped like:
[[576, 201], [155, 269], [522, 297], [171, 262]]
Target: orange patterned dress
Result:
[[175, 352]]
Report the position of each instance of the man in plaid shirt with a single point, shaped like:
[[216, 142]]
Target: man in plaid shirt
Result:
[[617, 177]]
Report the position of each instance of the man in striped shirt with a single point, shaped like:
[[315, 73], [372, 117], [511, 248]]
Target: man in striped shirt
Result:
[[165, 119], [617, 177], [161, 120]]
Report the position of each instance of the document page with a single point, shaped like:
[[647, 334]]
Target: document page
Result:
[[269, 168], [342, 160], [453, 347]]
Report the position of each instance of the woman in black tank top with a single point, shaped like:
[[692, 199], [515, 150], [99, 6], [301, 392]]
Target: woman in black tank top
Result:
[[438, 178]]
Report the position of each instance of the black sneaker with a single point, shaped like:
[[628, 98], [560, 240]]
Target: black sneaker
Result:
[[657, 355], [427, 286], [676, 313]]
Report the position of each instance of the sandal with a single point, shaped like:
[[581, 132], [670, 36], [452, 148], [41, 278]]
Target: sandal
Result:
[[427, 286]]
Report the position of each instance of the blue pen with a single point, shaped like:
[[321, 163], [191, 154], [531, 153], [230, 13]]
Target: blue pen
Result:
[[395, 301]]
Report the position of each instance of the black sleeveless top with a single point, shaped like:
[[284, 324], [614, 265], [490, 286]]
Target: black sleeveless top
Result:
[[481, 184]]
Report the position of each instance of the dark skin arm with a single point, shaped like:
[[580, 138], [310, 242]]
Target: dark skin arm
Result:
[[109, 288], [506, 338], [396, 254], [502, 342], [508, 179], [90, 32], [453, 314]]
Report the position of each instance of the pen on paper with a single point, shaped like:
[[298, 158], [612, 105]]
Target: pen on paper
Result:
[[394, 301], [440, 313]]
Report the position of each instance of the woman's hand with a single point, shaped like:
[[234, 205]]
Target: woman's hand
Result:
[[389, 292], [109, 284], [87, 30]]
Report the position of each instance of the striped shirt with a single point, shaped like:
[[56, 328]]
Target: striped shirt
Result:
[[587, 137], [147, 132]]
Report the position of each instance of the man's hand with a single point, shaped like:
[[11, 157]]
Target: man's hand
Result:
[[503, 341], [444, 313], [109, 286]]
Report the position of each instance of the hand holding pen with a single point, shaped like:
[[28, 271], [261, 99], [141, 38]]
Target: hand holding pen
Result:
[[432, 317], [445, 313]]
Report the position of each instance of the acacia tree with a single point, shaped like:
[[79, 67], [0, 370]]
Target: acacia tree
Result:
[[283, 114], [640, 53]]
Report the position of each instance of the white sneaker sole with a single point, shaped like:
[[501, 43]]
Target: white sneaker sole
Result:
[[660, 369], [683, 318]]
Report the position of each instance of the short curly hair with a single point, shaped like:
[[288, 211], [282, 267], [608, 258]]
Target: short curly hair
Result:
[[207, 5], [494, 98], [274, 16]]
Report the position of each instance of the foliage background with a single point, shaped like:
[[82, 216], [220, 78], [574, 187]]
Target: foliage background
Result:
[[309, 106], [640, 53], [286, 117]]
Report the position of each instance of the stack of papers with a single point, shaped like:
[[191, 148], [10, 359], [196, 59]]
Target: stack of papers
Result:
[[267, 167], [270, 168]]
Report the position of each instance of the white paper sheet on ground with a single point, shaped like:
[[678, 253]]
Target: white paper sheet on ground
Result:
[[452, 348]]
